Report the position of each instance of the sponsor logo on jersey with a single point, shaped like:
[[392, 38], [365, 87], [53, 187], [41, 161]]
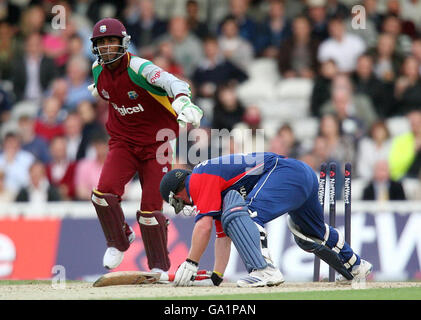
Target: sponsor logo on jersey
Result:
[[156, 76], [105, 94], [128, 110], [132, 95]]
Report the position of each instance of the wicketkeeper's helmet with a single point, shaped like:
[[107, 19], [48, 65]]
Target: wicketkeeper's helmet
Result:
[[110, 27]]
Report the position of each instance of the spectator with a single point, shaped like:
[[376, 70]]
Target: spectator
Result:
[[372, 13], [89, 170], [408, 87], [39, 190], [381, 187], [355, 111], [198, 27], [405, 153], [146, 27], [235, 48], [247, 27], [90, 124], [339, 147], [387, 60], [228, 110], [344, 48], [405, 26], [316, 11], [61, 171], [366, 83], [33, 20], [31, 142], [285, 142], [33, 71], [5, 106], [416, 51], [10, 12], [187, 47], [248, 135], [8, 49], [6, 196], [214, 70], [59, 90], [322, 86], [276, 29], [393, 25], [298, 55], [15, 162], [335, 8], [49, 123], [373, 148], [76, 146], [411, 11], [77, 75]]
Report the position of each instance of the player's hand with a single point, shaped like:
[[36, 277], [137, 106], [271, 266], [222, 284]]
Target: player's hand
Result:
[[92, 88], [187, 112], [185, 273]]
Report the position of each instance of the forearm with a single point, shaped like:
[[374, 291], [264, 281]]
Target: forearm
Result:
[[222, 254], [200, 238]]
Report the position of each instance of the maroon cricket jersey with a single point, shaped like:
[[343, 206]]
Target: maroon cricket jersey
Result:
[[138, 110]]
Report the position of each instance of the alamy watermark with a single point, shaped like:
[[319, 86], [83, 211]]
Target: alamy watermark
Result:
[[358, 17], [59, 20], [58, 281]]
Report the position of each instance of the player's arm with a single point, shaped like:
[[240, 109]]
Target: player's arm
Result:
[[200, 238], [177, 89]]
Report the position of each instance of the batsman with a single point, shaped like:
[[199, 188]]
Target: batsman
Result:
[[142, 99], [243, 192]]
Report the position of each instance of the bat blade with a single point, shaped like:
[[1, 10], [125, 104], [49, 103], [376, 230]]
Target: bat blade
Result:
[[127, 278]]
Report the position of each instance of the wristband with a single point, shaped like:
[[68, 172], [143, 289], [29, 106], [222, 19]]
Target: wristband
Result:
[[192, 262]]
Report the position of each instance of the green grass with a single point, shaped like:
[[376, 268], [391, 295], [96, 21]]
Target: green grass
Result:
[[362, 294]]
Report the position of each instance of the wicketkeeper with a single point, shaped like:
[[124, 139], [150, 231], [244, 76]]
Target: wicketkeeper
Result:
[[241, 193], [143, 99]]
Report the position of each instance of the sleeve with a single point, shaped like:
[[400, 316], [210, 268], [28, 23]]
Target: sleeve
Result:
[[206, 195], [165, 80], [96, 70]]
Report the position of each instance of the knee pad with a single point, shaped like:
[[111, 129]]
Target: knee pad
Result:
[[242, 230], [111, 217], [154, 230], [319, 248]]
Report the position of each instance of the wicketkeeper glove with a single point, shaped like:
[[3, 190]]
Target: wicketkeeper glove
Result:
[[93, 90], [187, 112]]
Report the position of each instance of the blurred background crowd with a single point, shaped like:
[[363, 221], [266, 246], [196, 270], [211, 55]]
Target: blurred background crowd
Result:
[[324, 82]]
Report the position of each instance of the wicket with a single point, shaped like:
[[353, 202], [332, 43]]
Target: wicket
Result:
[[332, 207]]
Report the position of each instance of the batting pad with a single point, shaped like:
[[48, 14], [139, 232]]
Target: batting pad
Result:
[[243, 232]]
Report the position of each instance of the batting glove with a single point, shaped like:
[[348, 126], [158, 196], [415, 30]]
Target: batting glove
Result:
[[185, 273], [208, 278], [187, 112], [92, 88]]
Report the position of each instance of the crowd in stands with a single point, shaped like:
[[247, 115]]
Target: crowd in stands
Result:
[[364, 99]]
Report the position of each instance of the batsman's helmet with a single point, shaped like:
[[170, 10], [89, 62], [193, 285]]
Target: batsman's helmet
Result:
[[110, 27], [173, 182]]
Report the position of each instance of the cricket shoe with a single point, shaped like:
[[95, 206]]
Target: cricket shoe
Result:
[[360, 273], [164, 275], [113, 257], [270, 276]]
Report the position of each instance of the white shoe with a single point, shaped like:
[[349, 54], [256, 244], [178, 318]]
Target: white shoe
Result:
[[360, 273], [270, 276], [164, 275], [113, 257]]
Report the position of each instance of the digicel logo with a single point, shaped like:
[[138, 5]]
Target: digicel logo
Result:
[[129, 110]]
